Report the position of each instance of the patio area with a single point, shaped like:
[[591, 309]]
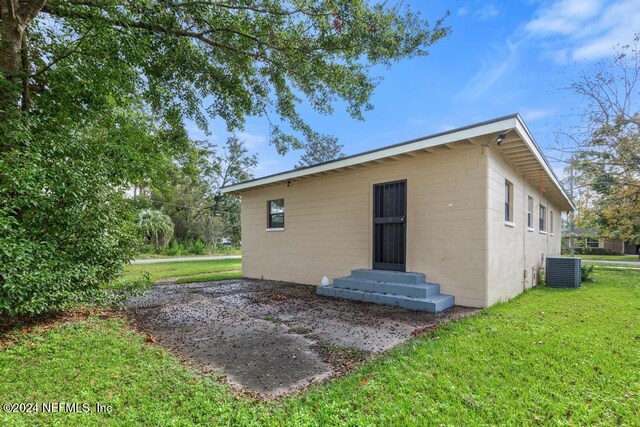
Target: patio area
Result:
[[273, 338]]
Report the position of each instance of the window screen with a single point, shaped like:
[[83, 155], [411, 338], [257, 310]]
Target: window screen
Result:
[[543, 214]]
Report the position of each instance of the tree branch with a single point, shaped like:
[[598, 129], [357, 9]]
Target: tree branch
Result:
[[148, 26]]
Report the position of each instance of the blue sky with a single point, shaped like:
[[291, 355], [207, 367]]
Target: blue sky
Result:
[[502, 57]]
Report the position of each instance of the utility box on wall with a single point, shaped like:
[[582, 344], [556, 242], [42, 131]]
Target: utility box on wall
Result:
[[563, 272]]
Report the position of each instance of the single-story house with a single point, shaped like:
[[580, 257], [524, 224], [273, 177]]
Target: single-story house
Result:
[[591, 241], [477, 209], [614, 246]]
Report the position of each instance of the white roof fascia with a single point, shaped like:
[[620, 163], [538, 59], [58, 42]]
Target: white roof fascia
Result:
[[428, 142], [526, 136]]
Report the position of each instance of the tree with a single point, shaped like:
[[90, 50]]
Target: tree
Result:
[[248, 56], [608, 160], [193, 198], [94, 96], [234, 165], [155, 226], [319, 150]]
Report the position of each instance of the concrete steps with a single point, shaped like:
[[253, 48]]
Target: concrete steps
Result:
[[406, 290]]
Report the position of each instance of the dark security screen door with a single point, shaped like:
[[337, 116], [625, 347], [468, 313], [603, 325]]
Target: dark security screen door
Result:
[[389, 225]]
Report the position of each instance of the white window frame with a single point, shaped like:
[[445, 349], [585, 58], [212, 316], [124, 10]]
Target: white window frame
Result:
[[530, 213], [270, 214], [587, 243], [508, 203]]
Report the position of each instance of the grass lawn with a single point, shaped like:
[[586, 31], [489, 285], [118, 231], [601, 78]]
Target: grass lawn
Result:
[[228, 251], [609, 257], [162, 270], [550, 356], [210, 277]]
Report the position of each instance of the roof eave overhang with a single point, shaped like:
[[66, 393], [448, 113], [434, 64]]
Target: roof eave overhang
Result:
[[501, 125], [527, 137]]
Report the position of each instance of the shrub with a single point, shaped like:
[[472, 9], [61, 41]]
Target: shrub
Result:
[[121, 289], [174, 248], [585, 272], [596, 251], [196, 248]]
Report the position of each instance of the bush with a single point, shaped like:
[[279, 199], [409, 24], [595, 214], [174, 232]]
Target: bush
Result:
[[196, 248], [180, 248], [174, 248], [596, 251], [57, 255], [585, 272], [121, 289]]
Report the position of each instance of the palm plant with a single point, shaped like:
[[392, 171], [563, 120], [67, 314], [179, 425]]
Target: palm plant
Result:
[[155, 226]]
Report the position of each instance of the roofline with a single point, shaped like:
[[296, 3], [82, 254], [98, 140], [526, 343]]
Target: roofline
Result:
[[499, 124], [545, 163], [271, 178]]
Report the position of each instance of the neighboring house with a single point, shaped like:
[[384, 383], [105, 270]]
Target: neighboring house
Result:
[[590, 241], [616, 246], [476, 216]]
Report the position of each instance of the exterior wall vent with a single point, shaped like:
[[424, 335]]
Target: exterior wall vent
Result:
[[563, 272]]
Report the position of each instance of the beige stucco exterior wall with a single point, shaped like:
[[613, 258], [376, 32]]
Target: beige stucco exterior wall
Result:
[[328, 223], [514, 249], [456, 232]]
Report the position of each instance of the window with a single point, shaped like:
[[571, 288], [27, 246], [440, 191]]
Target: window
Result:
[[593, 243], [543, 215], [508, 198], [551, 222], [275, 211], [530, 212]]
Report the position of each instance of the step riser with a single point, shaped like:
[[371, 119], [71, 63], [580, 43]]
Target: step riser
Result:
[[389, 276], [411, 304], [414, 291]]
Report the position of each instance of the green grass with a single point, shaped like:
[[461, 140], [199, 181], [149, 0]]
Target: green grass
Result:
[[164, 270], [224, 275], [550, 356], [609, 257], [227, 251]]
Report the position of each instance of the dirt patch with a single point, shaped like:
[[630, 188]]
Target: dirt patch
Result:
[[272, 338]]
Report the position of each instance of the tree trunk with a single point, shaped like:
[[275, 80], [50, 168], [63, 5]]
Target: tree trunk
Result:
[[10, 57], [26, 73], [14, 60]]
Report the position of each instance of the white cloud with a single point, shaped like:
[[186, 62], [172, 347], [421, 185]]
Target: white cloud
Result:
[[487, 11], [563, 16], [266, 167], [533, 114], [463, 11], [252, 141], [584, 29], [491, 71]]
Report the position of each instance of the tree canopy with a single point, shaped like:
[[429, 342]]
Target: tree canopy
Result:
[[608, 146], [235, 58], [322, 149]]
